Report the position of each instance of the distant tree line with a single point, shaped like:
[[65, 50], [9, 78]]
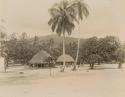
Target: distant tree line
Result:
[[93, 51]]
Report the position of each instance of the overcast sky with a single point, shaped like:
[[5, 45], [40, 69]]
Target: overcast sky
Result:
[[107, 17]]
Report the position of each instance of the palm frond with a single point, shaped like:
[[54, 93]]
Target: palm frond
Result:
[[65, 14], [82, 9]]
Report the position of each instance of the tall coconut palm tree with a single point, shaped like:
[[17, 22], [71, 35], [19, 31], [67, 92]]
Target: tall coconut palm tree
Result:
[[63, 18], [82, 11], [62, 21]]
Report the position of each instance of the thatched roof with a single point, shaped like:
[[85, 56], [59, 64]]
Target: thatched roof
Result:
[[68, 58], [40, 57]]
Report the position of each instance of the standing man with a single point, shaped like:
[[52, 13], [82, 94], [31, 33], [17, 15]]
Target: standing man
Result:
[[2, 64]]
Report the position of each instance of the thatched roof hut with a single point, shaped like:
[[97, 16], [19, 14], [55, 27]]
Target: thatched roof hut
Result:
[[68, 59], [40, 57]]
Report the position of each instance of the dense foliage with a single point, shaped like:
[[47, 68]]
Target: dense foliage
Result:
[[92, 51], [102, 50]]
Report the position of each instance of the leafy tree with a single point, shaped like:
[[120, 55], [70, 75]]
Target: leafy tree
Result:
[[24, 49], [23, 52], [92, 59], [11, 45], [120, 57], [96, 50], [107, 47], [89, 47], [20, 50]]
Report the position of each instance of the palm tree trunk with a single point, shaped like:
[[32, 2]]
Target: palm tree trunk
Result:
[[50, 60], [63, 67], [77, 55]]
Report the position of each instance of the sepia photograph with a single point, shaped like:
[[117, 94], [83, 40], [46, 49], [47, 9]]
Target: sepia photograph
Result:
[[62, 48]]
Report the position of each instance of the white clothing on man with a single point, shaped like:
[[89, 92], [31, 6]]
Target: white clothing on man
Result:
[[2, 63]]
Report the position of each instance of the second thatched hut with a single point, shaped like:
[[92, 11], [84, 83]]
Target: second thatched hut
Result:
[[68, 59]]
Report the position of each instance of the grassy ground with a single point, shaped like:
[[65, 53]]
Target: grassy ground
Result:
[[105, 81]]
